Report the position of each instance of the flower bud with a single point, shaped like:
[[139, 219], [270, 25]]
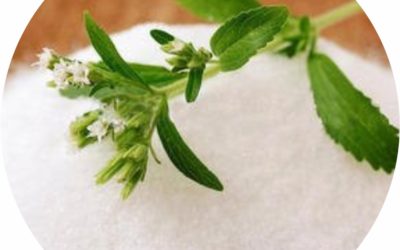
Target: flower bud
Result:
[[141, 119], [178, 62], [138, 152], [110, 169], [126, 139], [79, 128], [127, 171], [130, 185], [175, 47]]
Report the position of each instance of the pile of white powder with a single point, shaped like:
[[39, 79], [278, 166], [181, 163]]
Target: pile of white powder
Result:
[[287, 184]]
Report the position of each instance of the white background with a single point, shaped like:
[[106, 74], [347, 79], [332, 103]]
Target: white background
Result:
[[15, 15]]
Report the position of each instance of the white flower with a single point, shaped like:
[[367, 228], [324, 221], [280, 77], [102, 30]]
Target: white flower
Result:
[[177, 46], [109, 113], [111, 117], [97, 129], [174, 47], [44, 58], [118, 126], [60, 74], [108, 118], [79, 72]]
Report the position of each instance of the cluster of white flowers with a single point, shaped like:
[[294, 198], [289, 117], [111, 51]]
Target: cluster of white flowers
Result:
[[44, 59], [109, 118], [98, 129], [80, 72], [64, 72], [60, 74]]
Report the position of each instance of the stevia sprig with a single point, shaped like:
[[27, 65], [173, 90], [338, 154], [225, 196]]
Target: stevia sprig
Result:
[[130, 110], [133, 97]]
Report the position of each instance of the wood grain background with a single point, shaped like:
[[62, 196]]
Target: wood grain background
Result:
[[58, 24]]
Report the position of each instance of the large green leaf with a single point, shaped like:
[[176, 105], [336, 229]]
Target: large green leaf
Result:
[[157, 76], [349, 116], [107, 81], [153, 75], [218, 10], [238, 40], [107, 50], [181, 155]]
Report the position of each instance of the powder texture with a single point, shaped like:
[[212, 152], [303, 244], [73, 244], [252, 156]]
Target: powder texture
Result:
[[287, 184]]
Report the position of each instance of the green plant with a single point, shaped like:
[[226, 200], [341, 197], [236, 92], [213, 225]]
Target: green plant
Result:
[[134, 97]]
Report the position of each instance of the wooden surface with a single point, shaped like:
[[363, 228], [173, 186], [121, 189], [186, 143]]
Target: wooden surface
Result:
[[58, 24]]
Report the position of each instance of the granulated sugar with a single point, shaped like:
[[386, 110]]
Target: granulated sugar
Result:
[[287, 185]]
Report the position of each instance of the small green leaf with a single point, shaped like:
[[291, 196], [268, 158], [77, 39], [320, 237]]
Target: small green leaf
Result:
[[107, 50], [218, 10], [194, 84], [181, 155], [300, 37], [238, 39], [349, 116], [73, 92], [161, 37]]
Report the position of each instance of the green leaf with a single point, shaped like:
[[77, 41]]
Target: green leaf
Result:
[[107, 93], [181, 155], [157, 76], [73, 92], [349, 116], [107, 50], [153, 75], [218, 10], [161, 37], [194, 84], [105, 80], [238, 40]]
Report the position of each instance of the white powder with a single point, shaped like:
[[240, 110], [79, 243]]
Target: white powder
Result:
[[287, 185]]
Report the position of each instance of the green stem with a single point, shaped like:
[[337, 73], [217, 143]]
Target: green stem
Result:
[[179, 87], [320, 22], [336, 15]]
